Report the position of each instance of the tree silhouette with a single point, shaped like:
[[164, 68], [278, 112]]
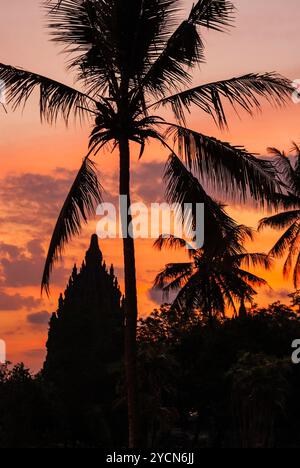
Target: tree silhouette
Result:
[[215, 279], [260, 390], [130, 59], [290, 218]]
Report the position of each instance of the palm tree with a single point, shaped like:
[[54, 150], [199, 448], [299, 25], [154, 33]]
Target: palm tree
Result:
[[290, 218], [215, 280], [130, 59]]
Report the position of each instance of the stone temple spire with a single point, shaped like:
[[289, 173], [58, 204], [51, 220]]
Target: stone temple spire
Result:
[[94, 253], [86, 332]]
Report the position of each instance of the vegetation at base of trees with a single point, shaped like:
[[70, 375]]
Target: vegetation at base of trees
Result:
[[230, 385], [132, 60]]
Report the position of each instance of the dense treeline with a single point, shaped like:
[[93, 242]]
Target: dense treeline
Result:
[[227, 383]]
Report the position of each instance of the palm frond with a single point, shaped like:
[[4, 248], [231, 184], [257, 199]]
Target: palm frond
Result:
[[286, 171], [183, 188], [171, 242], [173, 277], [227, 293], [80, 26], [56, 99], [85, 193], [252, 279], [113, 38], [296, 274], [229, 169], [244, 92], [280, 220], [287, 201], [185, 48], [217, 15], [255, 260], [293, 250], [190, 293], [285, 240]]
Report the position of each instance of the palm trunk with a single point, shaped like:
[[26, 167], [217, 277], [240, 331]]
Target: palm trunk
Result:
[[131, 310]]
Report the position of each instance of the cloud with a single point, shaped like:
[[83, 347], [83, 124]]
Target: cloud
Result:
[[35, 353], [148, 182], [278, 294], [155, 295], [23, 266], [159, 298], [39, 318], [39, 191], [33, 200], [10, 302]]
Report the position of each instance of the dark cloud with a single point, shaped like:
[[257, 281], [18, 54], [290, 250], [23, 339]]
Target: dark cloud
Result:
[[39, 318], [35, 353], [156, 296], [10, 302], [33, 200], [278, 294], [30, 202], [159, 297], [38, 191], [148, 182], [24, 266], [10, 250]]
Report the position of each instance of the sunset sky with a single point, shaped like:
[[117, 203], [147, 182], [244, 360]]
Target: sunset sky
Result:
[[38, 162]]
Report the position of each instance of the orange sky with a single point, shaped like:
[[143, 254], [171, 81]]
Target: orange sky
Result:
[[37, 162]]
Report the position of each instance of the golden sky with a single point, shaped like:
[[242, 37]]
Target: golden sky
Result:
[[37, 162]]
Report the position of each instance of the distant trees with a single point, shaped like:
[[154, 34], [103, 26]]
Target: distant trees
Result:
[[260, 391], [228, 386], [235, 384], [25, 415]]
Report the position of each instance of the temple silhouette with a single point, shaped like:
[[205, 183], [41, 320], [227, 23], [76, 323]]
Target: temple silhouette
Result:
[[85, 342]]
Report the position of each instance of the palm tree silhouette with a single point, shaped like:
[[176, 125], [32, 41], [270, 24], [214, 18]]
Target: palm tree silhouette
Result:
[[215, 280], [290, 218], [215, 283], [130, 59]]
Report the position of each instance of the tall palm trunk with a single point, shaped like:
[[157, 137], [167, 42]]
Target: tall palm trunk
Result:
[[131, 310]]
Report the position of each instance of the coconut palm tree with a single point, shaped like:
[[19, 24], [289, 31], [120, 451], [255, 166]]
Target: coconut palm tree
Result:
[[215, 280], [132, 58], [289, 242]]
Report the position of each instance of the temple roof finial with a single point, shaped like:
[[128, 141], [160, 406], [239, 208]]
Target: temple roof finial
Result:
[[94, 253]]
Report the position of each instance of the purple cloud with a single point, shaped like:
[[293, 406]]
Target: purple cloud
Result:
[[39, 318], [9, 302], [24, 266], [148, 182]]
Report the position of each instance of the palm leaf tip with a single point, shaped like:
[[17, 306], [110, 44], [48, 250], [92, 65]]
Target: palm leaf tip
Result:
[[213, 14], [85, 194], [55, 98], [245, 92], [236, 171]]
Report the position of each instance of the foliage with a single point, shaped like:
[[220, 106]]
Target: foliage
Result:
[[289, 220], [132, 59], [199, 386]]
